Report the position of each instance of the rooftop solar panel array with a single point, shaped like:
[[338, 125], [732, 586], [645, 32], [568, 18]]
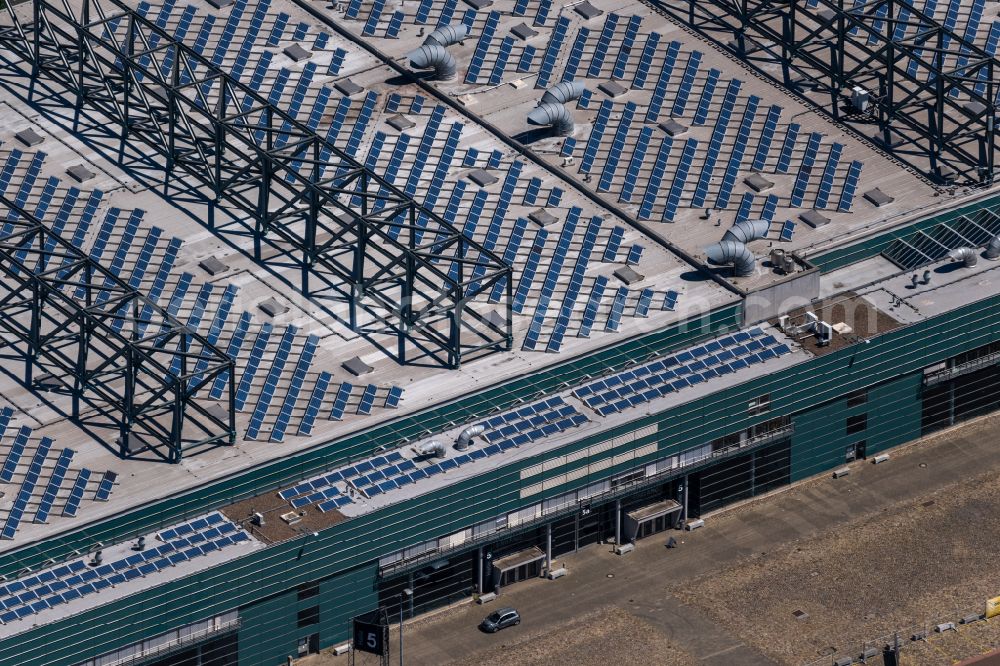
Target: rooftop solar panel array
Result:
[[530, 423], [679, 84], [34, 593], [647, 382]]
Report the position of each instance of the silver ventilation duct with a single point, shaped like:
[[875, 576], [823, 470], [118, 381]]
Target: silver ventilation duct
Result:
[[993, 248], [447, 35], [735, 253], [966, 255], [431, 448], [465, 438], [555, 115], [433, 53], [550, 109], [436, 57], [561, 93], [747, 230]]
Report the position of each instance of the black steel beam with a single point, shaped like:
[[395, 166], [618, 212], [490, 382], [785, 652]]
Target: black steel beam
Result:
[[107, 344], [353, 234], [932, 93]]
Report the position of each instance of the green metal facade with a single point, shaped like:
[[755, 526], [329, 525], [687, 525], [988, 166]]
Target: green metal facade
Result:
[[345, 556]]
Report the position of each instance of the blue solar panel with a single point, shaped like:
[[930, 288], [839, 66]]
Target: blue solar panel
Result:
[[367, 400], [850, 187], [670, 300], [787, 148], [638, 385], [575, 54], [541, 15], [340, 402], [554, 46], [625, 48], [708, 92], [603, 42], [663, 81], [52, 488], [618, 146], [15, 453], [655, 178], [649, 51]]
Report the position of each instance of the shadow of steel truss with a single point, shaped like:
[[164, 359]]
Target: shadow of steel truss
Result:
[[354, 236], [113, 348], [930, 92]]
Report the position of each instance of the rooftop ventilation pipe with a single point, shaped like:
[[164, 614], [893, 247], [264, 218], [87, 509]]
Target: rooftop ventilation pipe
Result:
[[555, 115], [993, 249], [747, 230], [567, 91], [966, 255], [447, 35], [433, 55], [735, 253], [431, 448], [550, 109], [465, 438]]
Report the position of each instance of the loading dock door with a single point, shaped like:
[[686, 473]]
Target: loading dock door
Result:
[[518, 566], [651, 519]]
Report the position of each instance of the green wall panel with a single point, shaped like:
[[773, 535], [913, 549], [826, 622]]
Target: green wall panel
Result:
[[894, 413], [265, 631], [812, 392], [281, 472]]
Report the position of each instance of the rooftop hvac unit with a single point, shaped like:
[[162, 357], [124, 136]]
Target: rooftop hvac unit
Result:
[[824, 332], [860, 99]]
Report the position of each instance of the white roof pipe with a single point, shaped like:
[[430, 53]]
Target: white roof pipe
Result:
[[446, 35], [561, 93], [431, 448], [993, 248], [436, 57]]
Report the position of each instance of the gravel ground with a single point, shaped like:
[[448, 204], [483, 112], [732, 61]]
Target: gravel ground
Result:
[[606, 636], [972, 639], [910, 564]]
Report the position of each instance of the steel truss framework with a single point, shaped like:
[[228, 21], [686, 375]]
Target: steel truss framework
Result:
[[932, 92], [108, 344], [356, 237]]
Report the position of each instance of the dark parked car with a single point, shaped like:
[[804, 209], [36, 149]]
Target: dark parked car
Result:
[[500, 619]]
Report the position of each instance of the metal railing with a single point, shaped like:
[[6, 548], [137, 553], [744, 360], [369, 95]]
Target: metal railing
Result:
[[178, 643], [945, 374]]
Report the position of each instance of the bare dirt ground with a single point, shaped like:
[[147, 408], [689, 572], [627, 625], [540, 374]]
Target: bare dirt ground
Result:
[[605, 636], [909, 565], [900, 546]]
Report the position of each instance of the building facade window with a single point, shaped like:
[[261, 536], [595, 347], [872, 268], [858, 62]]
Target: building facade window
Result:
[[308, 591], [857, 398], [308, 616], [759, 405], [856, 424]]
